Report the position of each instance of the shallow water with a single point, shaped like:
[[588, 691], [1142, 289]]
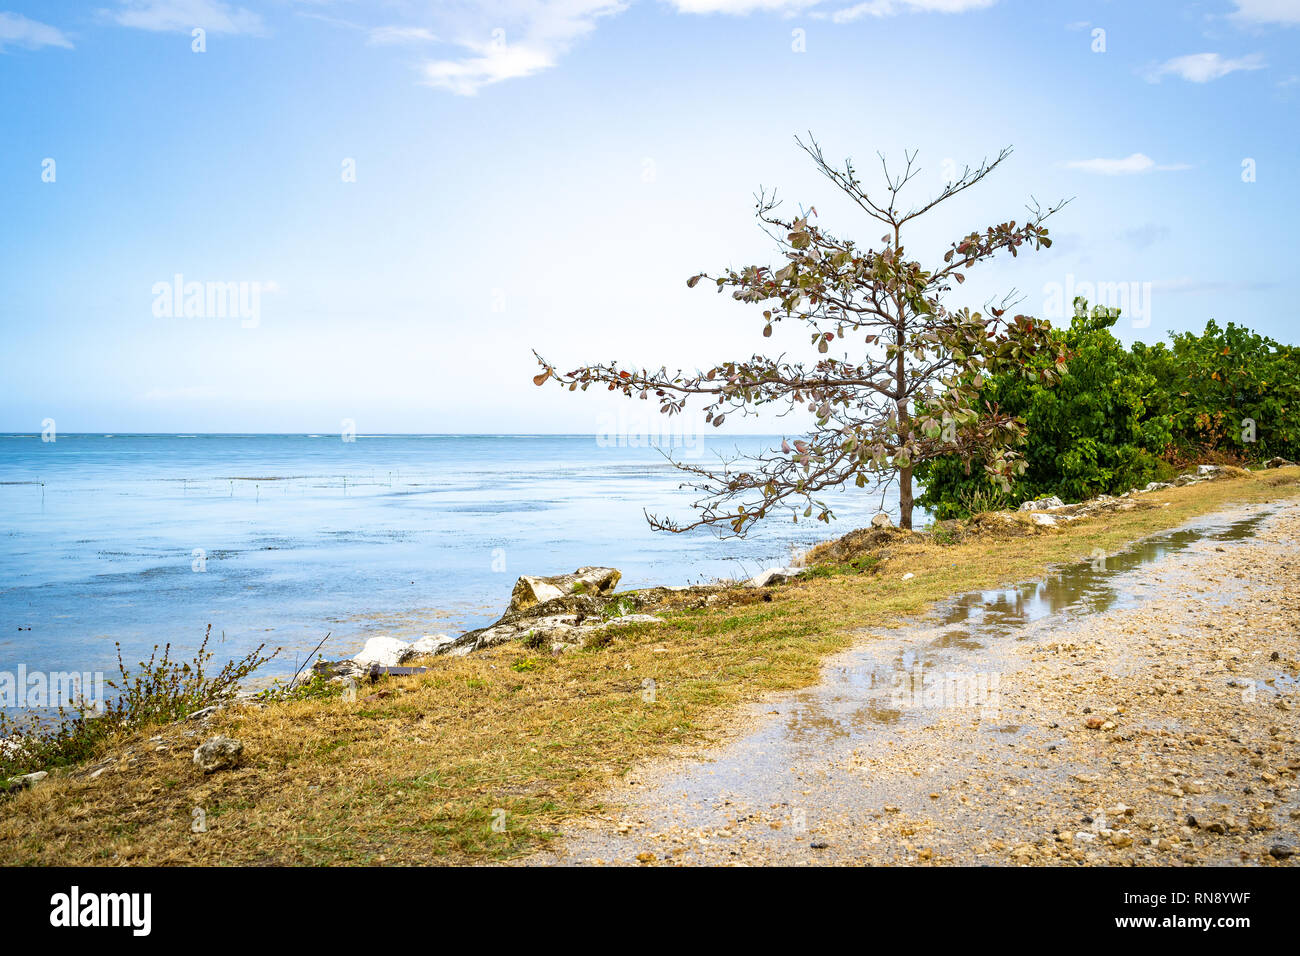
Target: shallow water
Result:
[[301, 535]]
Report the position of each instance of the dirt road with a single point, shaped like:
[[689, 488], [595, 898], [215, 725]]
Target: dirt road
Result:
[[1136, 709]]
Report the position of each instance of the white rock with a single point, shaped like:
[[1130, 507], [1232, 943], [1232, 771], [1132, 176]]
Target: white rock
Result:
[[881, 520], [774, 576], [1043, 504], [29, 779], [431, 644], [532, 589], [384, 651], [1204, 470], [908, 576], [1046, 521]]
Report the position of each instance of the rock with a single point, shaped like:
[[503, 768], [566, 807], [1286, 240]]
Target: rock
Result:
[[1044, 521], [1157, 486], [1280, 851], [908, 576], [1095, 723], [774, 576], [553, 629], [28, 779], [1043, 504], [1204, 471], [431, 644], [204, 713], [341, 670], [384, 651], [530, 590], [218, 753], [881, 520], [1279, 463]]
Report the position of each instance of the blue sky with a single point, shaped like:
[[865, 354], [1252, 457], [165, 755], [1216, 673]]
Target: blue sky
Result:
[[533, 174]]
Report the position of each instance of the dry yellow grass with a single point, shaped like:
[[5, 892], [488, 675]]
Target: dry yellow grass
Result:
[[415, 775]]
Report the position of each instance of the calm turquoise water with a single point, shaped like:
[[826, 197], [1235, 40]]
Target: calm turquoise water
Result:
[[303, 535]]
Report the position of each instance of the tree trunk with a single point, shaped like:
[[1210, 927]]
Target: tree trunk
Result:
[[905, 498]]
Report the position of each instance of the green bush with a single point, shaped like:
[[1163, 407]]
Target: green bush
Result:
[[1096, 432], [1230, 392]]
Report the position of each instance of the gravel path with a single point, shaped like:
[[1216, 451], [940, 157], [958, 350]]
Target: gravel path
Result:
[[1137, 709]]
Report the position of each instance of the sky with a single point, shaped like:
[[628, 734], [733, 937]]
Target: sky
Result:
[[412, 195]]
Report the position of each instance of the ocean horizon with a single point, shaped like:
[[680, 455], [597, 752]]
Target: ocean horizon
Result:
[[281, 538]]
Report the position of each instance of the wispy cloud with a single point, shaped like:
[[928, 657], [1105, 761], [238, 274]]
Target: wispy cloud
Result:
[[1258, 12], [214, 16], [17, 30], [1137, 163], [889, 8], [381, 36], [516, 38], [741, 7], [508, 39], [1203, 67]]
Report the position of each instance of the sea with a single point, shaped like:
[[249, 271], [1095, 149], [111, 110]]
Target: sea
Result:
[[112, 541]]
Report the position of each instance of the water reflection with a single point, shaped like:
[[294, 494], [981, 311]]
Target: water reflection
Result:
[[898, 680]]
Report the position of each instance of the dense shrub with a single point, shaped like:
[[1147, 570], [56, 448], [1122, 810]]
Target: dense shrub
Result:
[[1229, 392], [1122, 417]]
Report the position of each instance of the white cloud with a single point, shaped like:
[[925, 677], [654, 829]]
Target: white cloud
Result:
[[889, 8], [17, 30], [184, 15], [501, 40], [1137, 163], [1285, 12], [740, 7], [380, 36], [1203, 67], [516, 38]]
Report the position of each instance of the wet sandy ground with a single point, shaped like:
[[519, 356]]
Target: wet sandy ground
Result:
[[1138, 709]]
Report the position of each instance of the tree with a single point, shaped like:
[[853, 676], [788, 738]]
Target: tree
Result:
[[906, 392]]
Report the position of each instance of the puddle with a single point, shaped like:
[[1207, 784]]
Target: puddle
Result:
[[918, 671], [873, 697], [1086, 588]]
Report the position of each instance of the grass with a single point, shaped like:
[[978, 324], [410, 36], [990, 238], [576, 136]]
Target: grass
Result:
[[483, 757]]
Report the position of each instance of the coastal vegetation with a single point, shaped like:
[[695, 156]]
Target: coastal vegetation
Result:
[[484, 757], [1121, 417]]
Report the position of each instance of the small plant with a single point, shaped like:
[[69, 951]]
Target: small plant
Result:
[[619, 608], [524, 665], [978, 501], [942, 536], [533, 640], [313, 687], [163, 690]]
